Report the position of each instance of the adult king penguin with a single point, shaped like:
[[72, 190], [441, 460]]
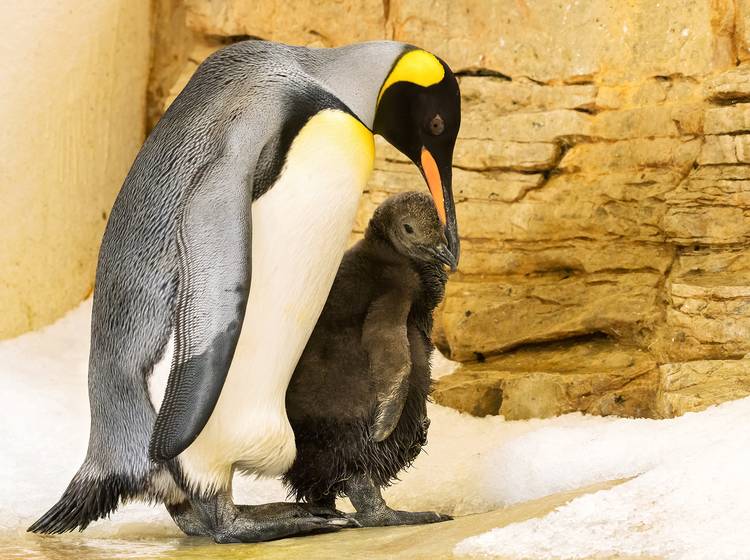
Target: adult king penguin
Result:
[[255, 170]]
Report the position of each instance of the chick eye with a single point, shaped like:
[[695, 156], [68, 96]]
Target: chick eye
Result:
[[437, 125], [408, 228]]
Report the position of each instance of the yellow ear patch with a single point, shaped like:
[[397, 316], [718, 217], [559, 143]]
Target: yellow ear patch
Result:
[[418, 67]]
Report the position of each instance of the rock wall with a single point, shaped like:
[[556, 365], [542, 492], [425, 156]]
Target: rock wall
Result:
[[602, 183], [72, 109]]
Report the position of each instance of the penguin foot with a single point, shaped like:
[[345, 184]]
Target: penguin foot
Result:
[[372, 510], [254, 528], [387, 516], [188, 520], [322, 511], [287, 510], [219, 518]]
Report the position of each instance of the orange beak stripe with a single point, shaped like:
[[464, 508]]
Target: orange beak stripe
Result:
[[434, 183]]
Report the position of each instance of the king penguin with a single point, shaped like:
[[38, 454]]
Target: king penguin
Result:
[[357, 401], [218, 256]]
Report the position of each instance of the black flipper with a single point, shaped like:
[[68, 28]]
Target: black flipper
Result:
[[214, 248]]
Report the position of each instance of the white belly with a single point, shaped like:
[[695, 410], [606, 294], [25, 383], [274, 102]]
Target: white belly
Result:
[[300, 229]]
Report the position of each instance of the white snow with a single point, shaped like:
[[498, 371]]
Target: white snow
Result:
[[690, 497], [44, 431], [441, 366]]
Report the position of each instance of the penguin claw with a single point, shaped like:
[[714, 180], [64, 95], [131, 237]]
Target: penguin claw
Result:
[[322, 511], [345, 523], [245, 530], [316, 525], [390, 517]]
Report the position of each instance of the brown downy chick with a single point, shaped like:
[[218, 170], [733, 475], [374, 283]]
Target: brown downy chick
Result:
[[357, 399]]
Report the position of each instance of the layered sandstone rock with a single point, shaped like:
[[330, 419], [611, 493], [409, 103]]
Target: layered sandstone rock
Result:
[[602, 187], [693, 386], [598, 376]]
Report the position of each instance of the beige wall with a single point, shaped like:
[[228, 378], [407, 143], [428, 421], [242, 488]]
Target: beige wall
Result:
[[73, 82]]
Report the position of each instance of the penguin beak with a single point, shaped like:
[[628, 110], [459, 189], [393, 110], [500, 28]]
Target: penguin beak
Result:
[[439, 181], [444, 255]]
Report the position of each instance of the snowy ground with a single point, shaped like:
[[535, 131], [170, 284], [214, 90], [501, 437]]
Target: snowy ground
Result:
[[690, 501], [690, 497]]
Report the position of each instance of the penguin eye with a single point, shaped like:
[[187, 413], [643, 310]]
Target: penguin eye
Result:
[[408, 228], [437, 125]]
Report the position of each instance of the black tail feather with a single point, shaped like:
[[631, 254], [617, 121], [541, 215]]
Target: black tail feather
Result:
[[86, 499]]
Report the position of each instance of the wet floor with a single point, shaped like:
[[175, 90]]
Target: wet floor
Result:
[[433, 542]]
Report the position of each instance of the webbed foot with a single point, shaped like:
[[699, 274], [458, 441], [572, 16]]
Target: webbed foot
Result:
[[187, 519], [225, 522], [256, 526], [372, 510], [320, 510], [386, 516]]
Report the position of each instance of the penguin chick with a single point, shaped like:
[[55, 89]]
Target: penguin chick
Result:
[[357, 398]]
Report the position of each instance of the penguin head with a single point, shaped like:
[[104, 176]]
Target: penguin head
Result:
[[419, 113], [410, 223]]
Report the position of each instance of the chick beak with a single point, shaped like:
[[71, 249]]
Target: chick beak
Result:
[[445, 256]]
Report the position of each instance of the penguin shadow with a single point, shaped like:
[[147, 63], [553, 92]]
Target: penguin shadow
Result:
[[80, 547]]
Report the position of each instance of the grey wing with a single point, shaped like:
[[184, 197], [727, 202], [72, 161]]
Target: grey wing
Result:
[[214, 251], [384, 336]]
